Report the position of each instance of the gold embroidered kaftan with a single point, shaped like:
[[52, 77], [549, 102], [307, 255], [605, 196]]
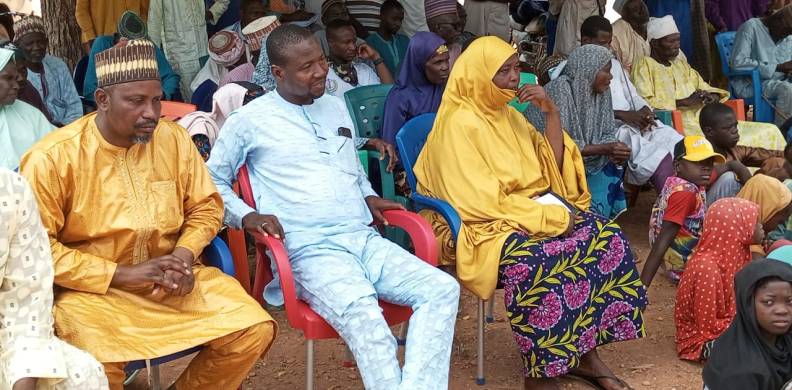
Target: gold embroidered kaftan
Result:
[[102, 206]]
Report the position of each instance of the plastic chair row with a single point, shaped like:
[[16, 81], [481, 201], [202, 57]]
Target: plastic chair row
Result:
[[673, 118]]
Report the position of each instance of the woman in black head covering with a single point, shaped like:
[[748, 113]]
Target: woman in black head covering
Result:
[[755, 351]]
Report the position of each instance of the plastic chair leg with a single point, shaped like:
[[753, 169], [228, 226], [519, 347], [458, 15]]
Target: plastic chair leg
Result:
[[154, 377], [490, 308], [309, 366], [480, 380], [401, 339]]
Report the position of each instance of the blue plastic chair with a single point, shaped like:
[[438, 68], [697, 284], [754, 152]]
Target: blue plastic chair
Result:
[[217, 255], [410, 141], [762, 110]]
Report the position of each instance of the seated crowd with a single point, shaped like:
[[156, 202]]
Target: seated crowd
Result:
[[107, 208]]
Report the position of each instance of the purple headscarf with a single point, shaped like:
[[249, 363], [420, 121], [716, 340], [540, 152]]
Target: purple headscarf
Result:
[[413, 94]]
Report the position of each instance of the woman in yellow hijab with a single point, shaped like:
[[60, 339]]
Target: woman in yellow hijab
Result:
[[774, 200], [569, 275]]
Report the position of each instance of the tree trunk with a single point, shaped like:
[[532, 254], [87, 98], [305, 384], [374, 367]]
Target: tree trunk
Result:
[[62, 30]]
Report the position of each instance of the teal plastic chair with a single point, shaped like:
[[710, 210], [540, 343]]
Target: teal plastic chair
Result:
[[366, 106]]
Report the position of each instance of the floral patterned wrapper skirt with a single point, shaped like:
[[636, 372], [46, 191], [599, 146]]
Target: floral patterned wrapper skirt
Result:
[[566, 296]]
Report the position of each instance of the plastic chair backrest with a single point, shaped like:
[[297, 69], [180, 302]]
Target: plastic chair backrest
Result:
[[79, 74], [366, 107], [725, 41], [410, 140], [176, 110], [738, 106], [245, 189]]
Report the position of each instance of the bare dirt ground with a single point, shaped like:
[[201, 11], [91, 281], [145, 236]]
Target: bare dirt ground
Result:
[[650, 363]]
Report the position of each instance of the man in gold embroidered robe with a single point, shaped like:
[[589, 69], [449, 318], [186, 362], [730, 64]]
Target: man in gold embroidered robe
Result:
[[129, 207]]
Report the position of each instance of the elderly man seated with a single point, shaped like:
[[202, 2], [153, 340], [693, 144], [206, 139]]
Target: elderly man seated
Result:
[[766, 43], [668, 82], [129, 207], [297, 144]]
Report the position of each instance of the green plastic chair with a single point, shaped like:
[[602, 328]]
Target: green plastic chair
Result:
[[366, 107], [525, 78]]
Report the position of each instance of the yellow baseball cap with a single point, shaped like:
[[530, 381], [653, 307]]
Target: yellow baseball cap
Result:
[[696, 148]]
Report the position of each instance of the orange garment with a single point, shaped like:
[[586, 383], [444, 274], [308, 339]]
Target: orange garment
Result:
[[222, 364], [105, 206], [705, 298]]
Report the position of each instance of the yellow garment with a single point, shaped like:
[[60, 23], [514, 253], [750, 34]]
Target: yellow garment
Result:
[[102, 206], [100, 17], [628, 45], [487, 161], [662, 86], [769, 193], [223, 363]]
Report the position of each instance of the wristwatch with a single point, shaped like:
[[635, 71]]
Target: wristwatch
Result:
[[378, 61]]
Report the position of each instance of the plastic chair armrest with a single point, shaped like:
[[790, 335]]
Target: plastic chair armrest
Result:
[[420, 232], [442, 207], [281, 258], [218, 255], [740, 72]]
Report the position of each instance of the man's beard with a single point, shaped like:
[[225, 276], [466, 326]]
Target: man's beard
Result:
[[141, 139]]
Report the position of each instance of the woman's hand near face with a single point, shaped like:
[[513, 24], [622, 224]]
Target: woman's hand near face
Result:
[[537, 96]]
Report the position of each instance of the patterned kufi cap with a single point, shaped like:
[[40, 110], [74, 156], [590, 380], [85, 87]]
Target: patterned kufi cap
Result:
[[132, 26], [126, 62], [433, 8], [28, 24]]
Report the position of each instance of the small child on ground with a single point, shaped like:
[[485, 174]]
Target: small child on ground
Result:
[[678, 214], [705, 297], [755, 352]]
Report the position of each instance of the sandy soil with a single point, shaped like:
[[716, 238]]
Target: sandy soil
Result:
[[650, 363]]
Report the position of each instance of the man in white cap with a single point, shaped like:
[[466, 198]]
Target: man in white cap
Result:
[[668, 82], [629, 33]]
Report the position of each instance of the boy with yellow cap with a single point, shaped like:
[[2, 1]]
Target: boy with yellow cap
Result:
[[678, 214]]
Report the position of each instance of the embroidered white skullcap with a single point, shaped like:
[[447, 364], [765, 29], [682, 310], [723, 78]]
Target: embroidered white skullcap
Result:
[[661, 27]]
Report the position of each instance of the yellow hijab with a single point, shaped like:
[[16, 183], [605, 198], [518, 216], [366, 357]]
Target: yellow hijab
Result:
[[486, 160], [770, 194]]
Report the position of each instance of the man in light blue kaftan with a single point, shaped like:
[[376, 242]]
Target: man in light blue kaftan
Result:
[[303, 165], [766, 44]]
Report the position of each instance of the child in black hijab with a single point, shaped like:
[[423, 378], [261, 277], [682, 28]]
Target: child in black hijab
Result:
[[755, 352]]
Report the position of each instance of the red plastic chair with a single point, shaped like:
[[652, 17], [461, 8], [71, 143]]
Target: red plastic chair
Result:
[[176, 110], [738, 105], [298, 313]]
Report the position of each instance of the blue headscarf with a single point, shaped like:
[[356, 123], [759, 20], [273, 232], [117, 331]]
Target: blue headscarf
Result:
[[413, 94]]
